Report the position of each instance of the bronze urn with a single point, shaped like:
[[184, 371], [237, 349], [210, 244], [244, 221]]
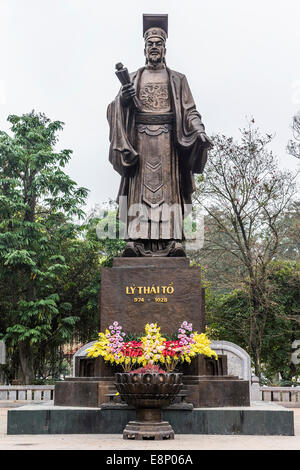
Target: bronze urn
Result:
[[148, 393]]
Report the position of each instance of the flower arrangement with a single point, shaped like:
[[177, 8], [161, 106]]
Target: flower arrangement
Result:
[[152, 348]]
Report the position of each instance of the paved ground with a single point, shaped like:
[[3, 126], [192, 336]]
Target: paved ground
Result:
[[115, 441]]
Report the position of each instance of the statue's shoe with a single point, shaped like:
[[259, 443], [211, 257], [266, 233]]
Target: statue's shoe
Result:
[[177, 250], [134, 249], [130, 251]]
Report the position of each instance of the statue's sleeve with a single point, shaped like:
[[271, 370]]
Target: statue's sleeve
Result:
[[192, 122], [122, 155], [194, 150]]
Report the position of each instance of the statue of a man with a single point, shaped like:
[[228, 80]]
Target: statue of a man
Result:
[[157, 143]]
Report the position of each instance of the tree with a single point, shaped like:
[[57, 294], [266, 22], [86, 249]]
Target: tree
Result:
[[228, 317], [223, 271], [37, 202], [245, 195], [284, 326], [104, 230], [80, 284]]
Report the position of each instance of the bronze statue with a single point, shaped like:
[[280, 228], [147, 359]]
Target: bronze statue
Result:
[[157, 143]]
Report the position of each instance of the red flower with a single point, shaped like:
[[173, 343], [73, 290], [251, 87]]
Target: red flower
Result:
[[132, 349]]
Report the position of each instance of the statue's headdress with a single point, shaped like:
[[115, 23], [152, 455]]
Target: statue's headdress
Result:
[[155, 25]]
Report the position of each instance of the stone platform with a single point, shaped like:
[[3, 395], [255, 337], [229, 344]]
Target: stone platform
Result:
[[265, 419]]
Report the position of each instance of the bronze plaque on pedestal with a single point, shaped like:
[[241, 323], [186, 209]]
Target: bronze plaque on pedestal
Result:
[[167, 291]]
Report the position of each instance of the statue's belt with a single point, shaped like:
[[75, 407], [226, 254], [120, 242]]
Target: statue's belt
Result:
[[156, 119]]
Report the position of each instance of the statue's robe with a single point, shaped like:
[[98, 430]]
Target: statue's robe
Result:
[[170, 154]]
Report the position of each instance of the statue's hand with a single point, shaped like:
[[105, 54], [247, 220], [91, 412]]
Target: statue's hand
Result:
[[127, 93], [128, 158], [205, 139]]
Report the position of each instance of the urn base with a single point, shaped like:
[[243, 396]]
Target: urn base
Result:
[[144, 430]]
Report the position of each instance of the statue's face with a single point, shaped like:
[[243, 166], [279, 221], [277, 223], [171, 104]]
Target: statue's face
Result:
[[155, 50]]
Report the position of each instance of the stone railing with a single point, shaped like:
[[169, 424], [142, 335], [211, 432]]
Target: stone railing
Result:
[[27, 392], [282, 395]]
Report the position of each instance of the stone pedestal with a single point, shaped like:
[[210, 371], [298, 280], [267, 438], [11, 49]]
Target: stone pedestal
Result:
[[209, 391], [83, 391], [136, 291]]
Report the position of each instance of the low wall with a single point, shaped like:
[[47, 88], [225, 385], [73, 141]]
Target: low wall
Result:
[[281, 395], [27, 392]]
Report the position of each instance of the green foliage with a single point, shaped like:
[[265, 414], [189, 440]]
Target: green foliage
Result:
[[79, 284], [104, 229], [38, 203], [229, 318], [283, 327]]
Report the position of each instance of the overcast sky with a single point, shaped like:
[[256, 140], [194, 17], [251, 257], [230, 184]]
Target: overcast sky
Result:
[[241, 59]]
